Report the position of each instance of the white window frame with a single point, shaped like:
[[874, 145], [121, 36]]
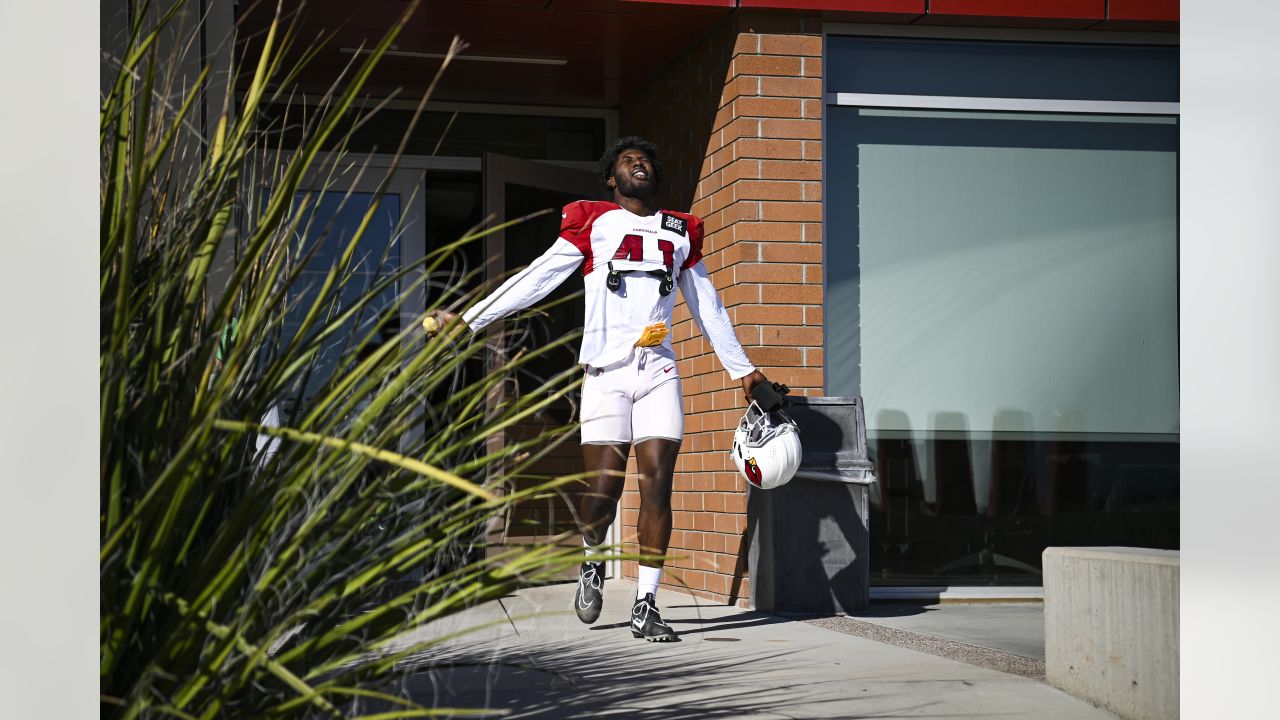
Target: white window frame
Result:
[[1043, 105]]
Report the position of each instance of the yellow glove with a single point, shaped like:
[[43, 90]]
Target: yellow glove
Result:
[[653, 335]]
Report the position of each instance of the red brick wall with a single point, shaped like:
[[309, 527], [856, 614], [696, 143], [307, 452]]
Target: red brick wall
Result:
[[739, 122]]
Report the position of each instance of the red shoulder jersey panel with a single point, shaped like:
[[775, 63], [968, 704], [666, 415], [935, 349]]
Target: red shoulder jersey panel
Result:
[[694, 224], [575, 226]]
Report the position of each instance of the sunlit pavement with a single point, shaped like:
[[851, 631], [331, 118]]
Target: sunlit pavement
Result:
[[529, 656]]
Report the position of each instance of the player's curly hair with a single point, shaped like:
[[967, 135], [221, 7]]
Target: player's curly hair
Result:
[[610, 158]]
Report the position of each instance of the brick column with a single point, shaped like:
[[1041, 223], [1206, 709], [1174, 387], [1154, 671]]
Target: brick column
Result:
[[759, 192]]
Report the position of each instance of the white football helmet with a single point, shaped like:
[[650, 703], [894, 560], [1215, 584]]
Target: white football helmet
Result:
[[766, 447]]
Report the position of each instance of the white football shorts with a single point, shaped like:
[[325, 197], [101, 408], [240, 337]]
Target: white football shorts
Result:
[[635, 401]]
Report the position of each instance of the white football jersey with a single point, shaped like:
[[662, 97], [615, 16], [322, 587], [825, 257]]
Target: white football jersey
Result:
[[595, 235]]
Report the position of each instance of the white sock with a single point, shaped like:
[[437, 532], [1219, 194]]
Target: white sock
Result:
[[647, 581], [593, 551]]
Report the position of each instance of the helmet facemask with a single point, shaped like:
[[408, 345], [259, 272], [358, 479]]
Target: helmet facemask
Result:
[[761, 426], [766, 447]]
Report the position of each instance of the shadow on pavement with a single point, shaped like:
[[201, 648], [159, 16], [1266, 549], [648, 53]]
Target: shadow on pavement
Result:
[[642, 681], [892, 610], [533, 659], [707, 625]]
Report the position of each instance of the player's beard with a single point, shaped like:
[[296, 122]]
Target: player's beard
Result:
[[628, 187]]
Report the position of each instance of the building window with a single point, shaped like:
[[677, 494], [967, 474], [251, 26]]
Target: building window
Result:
[[1002, 244]]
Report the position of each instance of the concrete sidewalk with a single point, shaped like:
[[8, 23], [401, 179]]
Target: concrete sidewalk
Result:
[[1008, 637], [534, 659], [1014, 628]]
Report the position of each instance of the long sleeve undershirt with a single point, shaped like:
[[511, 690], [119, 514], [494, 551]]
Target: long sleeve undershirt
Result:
[[707, 310], [526, 287], [613, 321]]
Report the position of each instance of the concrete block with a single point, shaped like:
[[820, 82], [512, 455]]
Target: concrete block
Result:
[[1111, 627]]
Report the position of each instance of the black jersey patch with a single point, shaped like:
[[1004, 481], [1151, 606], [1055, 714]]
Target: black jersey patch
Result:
[[673, 223]]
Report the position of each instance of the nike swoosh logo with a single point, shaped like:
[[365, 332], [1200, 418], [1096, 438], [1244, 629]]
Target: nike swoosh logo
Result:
[[638, 623], [667, 370]]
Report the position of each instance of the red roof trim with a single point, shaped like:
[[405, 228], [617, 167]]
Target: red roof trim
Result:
[[1084, 9], [1157, 10], [1156, 14], [710, 3], [905, 7]]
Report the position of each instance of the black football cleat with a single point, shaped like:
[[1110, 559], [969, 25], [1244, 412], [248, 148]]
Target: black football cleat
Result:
[[648, 624], [588, 601]]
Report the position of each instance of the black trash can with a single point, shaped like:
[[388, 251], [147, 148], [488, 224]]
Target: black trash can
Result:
[[809, 539]]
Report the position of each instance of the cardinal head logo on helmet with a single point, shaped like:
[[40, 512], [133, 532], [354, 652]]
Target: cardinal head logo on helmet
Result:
[[766, 448]]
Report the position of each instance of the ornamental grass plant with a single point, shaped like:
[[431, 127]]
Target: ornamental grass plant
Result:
[[292, 476]]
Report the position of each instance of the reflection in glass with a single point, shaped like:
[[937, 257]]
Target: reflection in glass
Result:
[[1003, 294]]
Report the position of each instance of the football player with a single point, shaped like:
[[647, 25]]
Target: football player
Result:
[[632, 257]]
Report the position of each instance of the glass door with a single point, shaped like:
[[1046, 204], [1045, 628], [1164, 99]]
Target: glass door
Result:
[[516, 188], [337, 199]]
